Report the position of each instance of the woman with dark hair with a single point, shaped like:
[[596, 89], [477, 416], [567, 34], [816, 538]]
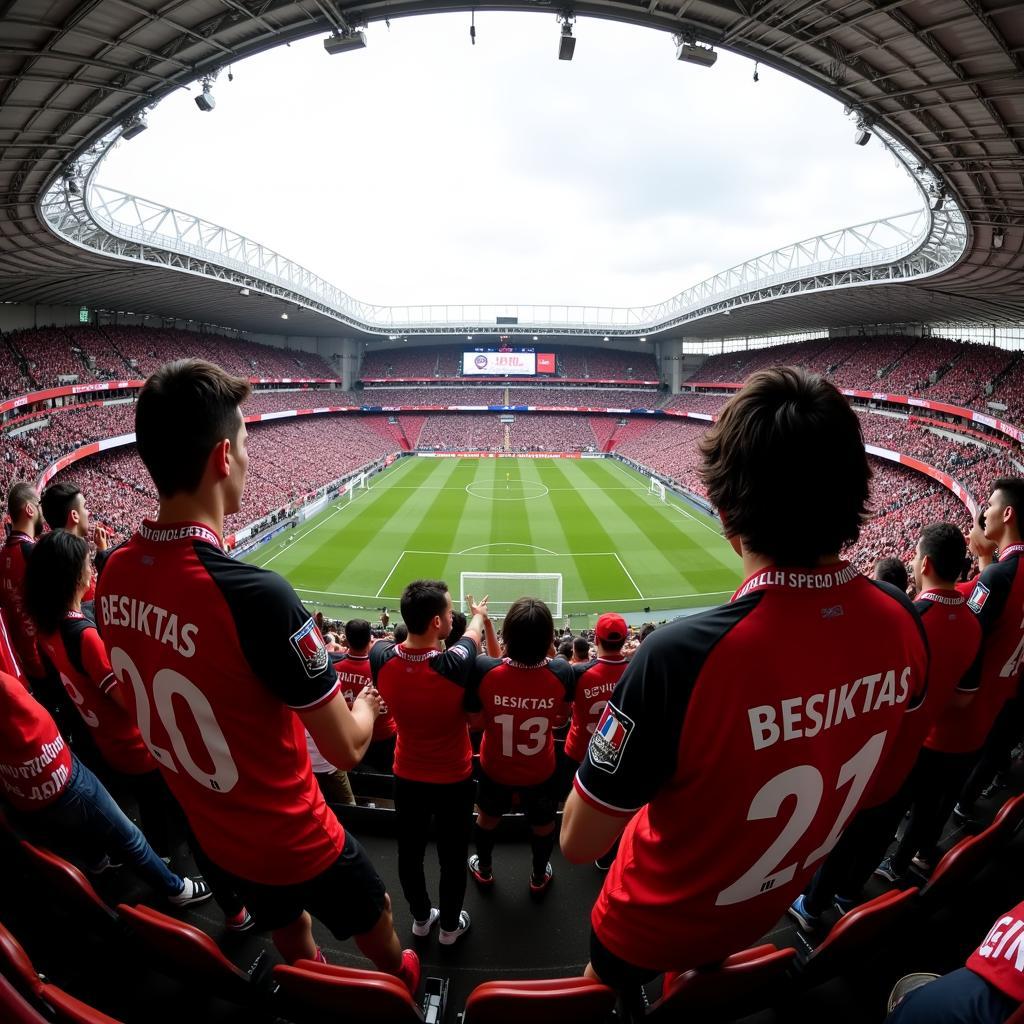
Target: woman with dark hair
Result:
[[58, 575]]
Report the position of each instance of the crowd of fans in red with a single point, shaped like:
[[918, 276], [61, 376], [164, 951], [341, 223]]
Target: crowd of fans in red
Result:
[[48, 356]]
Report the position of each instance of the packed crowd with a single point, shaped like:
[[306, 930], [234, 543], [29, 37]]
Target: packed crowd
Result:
[[920, 718], [38, 358], [540, 433], [461, 432]]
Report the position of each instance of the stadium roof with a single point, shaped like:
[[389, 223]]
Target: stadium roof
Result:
[[942, 80]]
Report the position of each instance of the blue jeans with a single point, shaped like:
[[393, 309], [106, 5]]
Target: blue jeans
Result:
[[86, 821]]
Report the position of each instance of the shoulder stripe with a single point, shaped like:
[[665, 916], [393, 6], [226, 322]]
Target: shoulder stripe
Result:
[[600, 804], [320, 702]]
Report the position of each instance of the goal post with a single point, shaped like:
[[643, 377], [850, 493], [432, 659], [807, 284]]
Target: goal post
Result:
[[355, 484], [657, 489], [502, 588]]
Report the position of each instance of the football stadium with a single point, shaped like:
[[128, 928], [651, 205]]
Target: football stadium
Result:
[[483, 661]]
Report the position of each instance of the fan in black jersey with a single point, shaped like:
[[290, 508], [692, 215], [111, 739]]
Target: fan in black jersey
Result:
[[518, 700], [740, 741], [998, 601], [224, 668]]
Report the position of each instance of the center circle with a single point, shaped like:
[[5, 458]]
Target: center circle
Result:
[[515, 490]]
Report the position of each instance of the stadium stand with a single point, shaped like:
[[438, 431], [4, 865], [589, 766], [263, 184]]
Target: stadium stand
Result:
[[539, 433], [462, 432]]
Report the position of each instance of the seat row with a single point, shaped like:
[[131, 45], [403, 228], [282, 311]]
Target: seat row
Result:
[[313, 992]]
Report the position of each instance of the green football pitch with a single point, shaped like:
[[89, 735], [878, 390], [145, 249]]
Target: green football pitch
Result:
[[593, 521]]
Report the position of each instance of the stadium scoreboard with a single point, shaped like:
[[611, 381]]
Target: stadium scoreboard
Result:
[[505, 361]]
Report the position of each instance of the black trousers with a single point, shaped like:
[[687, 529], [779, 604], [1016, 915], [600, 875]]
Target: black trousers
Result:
[[859, 851], [1006, 731], [935, 785], [450, 805]]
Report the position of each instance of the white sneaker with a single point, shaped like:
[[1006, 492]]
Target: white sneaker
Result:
[[422, 928], [450, 938]]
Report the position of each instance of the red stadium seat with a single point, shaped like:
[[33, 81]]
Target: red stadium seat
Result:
[[64, 878], [857, 932], [744, 980], [553, 1001], [14, 1009], [1009, 818], [66, 1009], [186, 952], [960, 864], [16, 966], [328, 992]]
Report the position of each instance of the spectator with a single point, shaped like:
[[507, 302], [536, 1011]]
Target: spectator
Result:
[[60, 799], [986, 991], [983, 551], [333, 783], [243, 650], [353, 668], [892, 571], [566, 649], [953, 640], [26, 525], [688, 887], [998, 601], [518, 701], [580, 651], [424, 689]]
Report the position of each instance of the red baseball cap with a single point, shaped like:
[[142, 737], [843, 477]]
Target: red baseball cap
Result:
[[611, 627]]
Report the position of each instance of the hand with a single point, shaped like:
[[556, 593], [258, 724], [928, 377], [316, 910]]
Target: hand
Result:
[[477, 608], [99, 537], [369, 695]]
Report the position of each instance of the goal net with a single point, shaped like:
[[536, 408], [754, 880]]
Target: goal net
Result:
[[657, 489], [505, 587], [355, 485]]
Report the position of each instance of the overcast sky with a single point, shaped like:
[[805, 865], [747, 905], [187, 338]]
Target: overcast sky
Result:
[[423, 169]]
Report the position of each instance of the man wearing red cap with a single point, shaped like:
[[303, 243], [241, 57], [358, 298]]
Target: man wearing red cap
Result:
[[595, 681]]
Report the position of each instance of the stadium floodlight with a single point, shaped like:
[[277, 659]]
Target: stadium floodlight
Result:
[[243, 291], [690, 52], [566, 41], [205, 101], [342, 42], [134, 125], [643, 337], [284, 316], [606, 338]]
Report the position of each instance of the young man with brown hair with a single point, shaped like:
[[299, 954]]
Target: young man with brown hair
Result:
[[740, 741], [188, 627]]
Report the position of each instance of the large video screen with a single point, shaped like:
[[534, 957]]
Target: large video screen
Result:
[[517, 364]]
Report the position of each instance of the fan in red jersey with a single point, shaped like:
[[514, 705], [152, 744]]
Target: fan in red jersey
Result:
[[9, 657], [997, 716], [225, 668], [983, 551], [26, 526], [740, 741], [425, 687], [519, 700], [954, 638], [353, 668]]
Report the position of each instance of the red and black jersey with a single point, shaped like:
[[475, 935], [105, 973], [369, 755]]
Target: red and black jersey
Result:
[[595, 681], [998, 601], [9, 662], [741, 741], [1000, 957], [353, 674], [77, 652], [35, 762], [219, 656], [424, 691], [954, 639], [14, 556], [520, 705]]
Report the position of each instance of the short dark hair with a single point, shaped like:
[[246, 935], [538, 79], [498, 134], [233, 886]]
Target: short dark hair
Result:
[[184, 409], [528, 630], [459, 624], [357, 633], [1012, 488], [646, 630], [565, 649], [52, 575], [56, 503], [892, 570], [581, 647], [421, 601], [20, 495], [787, 441], [945, 546], [400, 632]]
